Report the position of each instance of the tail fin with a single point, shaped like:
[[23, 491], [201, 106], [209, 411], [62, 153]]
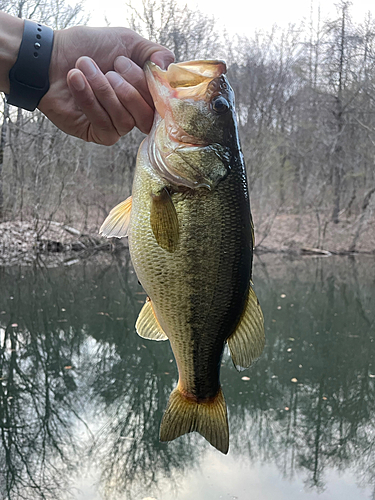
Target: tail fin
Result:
[[209, 418]]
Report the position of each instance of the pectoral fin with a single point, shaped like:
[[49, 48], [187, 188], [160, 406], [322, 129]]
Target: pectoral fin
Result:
[[247, 342], [164, 221], [117, 223], [147, 325]]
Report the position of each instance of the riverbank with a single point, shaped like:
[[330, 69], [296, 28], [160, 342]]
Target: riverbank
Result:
[[289, 233], [23, 241]]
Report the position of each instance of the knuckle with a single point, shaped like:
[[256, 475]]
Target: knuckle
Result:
[[125, 126], [138, 80], [101, 87], [102, 123], [104, 139], [127, 37], [87, 101], [145, 125], [127, 93], [109, 141]]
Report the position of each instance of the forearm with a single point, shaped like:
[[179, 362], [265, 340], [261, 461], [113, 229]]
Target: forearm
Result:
[[11, 29]]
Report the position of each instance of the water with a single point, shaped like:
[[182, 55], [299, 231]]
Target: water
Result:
[[82, 396]]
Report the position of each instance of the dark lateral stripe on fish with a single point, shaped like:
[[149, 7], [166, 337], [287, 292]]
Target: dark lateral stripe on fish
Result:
[[237, 255]]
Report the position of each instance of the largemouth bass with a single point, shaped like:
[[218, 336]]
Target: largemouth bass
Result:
[[191, 242]]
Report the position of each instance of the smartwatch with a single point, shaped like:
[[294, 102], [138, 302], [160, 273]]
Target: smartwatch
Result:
[[29, 79]]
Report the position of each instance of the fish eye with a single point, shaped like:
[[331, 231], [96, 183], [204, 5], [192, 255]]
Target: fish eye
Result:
[[220, 105]]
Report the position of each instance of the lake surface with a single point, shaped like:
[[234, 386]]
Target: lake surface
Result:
[[82, 396]]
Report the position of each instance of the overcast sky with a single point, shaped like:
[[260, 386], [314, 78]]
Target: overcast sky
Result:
[[256, 15]]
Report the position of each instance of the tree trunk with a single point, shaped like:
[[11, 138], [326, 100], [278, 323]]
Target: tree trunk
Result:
[[338, 152], [336, 191], [3, 135]]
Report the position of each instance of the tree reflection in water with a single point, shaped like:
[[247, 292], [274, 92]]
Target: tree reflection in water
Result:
[[131, 381], [69, 354], [311, 395], [39, 398]]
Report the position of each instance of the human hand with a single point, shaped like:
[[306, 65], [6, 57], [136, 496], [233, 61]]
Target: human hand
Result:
[[103, 100]]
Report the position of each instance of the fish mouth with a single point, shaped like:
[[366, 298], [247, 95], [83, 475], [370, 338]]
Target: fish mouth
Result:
[[185, 80]]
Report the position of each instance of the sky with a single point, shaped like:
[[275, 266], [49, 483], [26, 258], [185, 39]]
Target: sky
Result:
[[242, 17]]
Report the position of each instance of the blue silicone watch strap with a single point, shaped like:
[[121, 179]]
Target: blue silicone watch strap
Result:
[[29, 80]]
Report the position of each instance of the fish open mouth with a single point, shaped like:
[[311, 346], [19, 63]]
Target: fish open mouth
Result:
[[185, 80]]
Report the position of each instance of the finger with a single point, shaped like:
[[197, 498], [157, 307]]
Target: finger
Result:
[[119, 118], [142, 50], [135, 75], [132, 101], [100, 129], [162, 59]]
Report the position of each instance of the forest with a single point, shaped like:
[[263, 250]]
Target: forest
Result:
[[305, 101]]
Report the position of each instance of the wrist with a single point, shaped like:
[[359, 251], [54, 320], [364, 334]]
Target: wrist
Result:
[[11, 30]]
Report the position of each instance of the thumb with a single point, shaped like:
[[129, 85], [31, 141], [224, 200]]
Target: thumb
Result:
[[163, 58], [143, 50]]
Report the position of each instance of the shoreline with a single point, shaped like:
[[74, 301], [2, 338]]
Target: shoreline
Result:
[[21, 242]]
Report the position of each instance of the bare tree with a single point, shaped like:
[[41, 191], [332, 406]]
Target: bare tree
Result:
[[305, 102], [17, 128], [187, 32]]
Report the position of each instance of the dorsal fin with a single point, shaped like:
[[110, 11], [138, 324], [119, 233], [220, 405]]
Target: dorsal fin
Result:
[[247, 342], [147, 325], [117, 223]]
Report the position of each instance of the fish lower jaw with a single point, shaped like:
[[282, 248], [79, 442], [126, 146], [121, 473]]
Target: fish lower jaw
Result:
[[182, 139]]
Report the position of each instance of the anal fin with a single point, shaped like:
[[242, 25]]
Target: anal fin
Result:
[[117, 223], [247, 342], [147, 325]]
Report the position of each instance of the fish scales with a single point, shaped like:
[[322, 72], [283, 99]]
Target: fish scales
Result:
[[198, 291], [191, 242]]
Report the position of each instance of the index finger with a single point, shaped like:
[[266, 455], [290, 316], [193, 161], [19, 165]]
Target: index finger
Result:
[[134, 75]]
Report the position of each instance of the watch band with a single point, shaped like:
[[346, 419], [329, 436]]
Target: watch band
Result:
[[29, 79]]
